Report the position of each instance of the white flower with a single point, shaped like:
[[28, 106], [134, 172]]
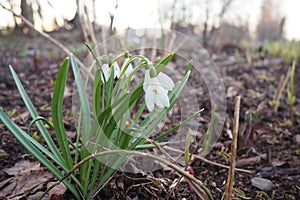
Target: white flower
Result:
[[105, 70], [117, 70], [156, 90], [129, 68]]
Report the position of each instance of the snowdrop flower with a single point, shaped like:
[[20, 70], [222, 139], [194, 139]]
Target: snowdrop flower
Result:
[[117, 70], [129, 68], [105, 70], [156, 89]]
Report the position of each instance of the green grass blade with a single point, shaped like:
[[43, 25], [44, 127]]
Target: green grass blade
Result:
[[34, 114], [57, 116]]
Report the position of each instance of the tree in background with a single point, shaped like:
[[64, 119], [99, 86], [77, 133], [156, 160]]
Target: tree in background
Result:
[[181, 15], [27, 12], [271, 23], [231, 33], [217, 22]]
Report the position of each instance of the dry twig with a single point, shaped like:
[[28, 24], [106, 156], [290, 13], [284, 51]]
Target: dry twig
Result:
[[230, 179], [282, 84], [208, 161]]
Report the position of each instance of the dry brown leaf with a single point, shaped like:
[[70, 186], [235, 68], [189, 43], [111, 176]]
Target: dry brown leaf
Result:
[[29, 182], [22, 167]]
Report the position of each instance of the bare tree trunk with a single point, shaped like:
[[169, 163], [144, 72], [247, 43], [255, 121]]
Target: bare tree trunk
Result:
[[207, 37], [226, 4], [27, 12], [75, 21], [112, 18], [205, 26], [281, 28], [173, 23]]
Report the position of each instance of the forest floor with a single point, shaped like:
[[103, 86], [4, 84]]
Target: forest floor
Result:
[[270, 148]]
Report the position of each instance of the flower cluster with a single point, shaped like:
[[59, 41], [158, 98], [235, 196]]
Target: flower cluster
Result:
[[117, 71], [156, 86]]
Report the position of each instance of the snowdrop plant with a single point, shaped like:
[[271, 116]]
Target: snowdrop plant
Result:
[[76, 163]]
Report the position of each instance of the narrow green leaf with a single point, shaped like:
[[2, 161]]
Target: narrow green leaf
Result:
[[161, 65], [86, 123], [34, 115], [86, 119], [57, 115], [39, 118], [97, 94]]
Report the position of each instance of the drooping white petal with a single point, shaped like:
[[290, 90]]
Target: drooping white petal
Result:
[[149, 97], [147, 80], [117, 70], [165, 81], [105, 69], [129, 68], [162, 97]]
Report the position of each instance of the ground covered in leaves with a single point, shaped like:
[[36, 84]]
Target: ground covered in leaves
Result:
[[268, 145]]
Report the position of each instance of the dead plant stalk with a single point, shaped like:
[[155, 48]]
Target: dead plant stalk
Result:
[[230, 178]]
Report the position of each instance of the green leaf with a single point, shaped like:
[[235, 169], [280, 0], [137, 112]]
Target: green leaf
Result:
[[86, 123], [161, 65], [34, 115], [97, 93], [39, 118], [57, 115], [84, 104]]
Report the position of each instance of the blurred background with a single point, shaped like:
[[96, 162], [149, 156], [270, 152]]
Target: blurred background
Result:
[[267, 24], [236, 20]]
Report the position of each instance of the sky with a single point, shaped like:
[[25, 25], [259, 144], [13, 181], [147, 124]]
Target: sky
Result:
[[292, 10], [144, 13]]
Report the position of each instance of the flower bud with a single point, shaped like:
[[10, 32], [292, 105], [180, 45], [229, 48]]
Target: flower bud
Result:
[[152, 72], [127, 54], [148, 64]]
